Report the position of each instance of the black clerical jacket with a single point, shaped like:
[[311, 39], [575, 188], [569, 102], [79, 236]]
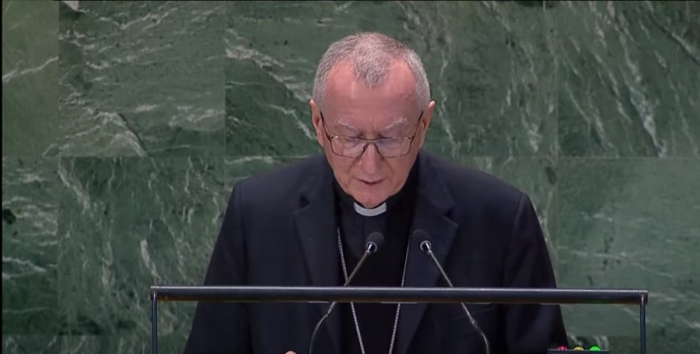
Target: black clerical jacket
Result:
[[280, 230]]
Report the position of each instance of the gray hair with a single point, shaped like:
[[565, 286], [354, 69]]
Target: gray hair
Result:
[[371, 55]]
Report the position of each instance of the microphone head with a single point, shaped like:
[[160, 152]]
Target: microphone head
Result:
[[375, 240], [426, 242]]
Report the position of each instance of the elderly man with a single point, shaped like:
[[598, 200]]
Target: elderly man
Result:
[[306, 225]]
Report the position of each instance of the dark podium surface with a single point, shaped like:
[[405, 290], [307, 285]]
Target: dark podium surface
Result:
[[404, 295]]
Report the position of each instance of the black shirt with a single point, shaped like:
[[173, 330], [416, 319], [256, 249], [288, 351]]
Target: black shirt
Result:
[[385, 268]]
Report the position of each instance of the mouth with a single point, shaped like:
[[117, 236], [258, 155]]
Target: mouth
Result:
[[370, 182]]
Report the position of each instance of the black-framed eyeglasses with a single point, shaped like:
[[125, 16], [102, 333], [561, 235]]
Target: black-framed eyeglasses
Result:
[[351, 146]]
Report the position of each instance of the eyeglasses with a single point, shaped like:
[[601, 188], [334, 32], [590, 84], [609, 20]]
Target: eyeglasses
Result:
[[349, 146]]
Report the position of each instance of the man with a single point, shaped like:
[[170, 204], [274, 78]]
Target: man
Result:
[[306, 225]]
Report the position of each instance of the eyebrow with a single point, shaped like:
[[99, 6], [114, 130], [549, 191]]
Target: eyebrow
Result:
[[397, 123], [401, 121], [345, 124]]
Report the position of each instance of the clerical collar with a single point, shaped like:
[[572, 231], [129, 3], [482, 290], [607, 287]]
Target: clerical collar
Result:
[[370, 212]]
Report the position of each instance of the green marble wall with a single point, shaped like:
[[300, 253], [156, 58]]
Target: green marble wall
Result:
[[125, 125]]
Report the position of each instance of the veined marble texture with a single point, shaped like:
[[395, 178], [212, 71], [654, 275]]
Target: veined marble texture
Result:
[[126, 124]]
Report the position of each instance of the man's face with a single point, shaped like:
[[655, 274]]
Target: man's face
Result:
[[352, 110]]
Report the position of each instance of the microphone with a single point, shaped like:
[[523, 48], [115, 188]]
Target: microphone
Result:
[[426, 245], [375, 240]]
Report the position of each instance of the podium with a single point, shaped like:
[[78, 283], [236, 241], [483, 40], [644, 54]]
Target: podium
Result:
[[511, 296]]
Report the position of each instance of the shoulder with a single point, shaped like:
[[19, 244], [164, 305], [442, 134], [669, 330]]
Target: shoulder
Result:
[[475, 191], [488, 206], [278, 185]]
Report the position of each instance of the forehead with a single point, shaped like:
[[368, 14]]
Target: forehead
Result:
[[351, 103]]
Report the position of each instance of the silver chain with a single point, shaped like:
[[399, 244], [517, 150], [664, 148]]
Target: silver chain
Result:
[[352, 305]]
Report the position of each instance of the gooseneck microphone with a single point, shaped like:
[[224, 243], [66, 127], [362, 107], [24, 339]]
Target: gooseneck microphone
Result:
[[426, 245], [374, 242]]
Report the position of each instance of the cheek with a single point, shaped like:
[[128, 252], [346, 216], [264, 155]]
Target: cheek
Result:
[[399, 170]]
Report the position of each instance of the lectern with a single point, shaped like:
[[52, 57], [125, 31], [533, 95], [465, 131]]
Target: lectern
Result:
[[399, 295]]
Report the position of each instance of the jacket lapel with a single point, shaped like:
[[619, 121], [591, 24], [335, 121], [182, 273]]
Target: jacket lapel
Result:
[[432, 204], [316, 229]]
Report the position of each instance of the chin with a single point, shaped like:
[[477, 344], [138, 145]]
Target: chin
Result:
[[369, 199]]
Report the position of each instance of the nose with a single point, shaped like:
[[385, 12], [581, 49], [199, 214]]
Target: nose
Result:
[[370, 160]]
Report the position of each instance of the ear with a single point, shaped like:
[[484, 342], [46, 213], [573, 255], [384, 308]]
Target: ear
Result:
[[316, 121], [425, 122]]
